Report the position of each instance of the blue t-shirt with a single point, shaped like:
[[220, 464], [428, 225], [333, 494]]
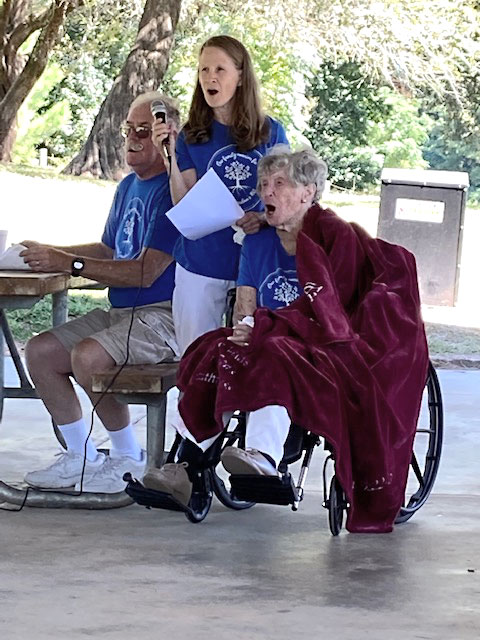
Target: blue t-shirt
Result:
[[217, 255], [266, 266], [137, 219]]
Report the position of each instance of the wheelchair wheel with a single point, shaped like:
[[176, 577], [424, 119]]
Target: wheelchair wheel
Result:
[[219, 477], [224, 494], [427, 448], [336, 506], [201, 500]]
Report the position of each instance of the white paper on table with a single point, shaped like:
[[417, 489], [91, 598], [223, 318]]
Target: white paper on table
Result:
[[10, 260], [207, 207]]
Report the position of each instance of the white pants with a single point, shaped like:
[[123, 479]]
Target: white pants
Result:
[[267, 430], [198, 305]]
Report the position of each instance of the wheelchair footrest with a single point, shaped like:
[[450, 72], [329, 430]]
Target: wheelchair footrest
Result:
[[151, 498], [264, 489]]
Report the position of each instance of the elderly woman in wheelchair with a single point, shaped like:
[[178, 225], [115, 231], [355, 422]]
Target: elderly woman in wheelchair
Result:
[[328, 335]]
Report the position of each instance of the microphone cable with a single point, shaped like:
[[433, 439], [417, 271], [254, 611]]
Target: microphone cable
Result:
[[117, 373]]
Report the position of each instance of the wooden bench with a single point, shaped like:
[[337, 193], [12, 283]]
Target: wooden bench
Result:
[[143, 384]]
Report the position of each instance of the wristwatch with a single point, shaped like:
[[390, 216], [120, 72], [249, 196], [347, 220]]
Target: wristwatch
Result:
[[78, 265]]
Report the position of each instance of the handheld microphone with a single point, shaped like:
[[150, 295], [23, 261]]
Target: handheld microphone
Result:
[[159, 112]]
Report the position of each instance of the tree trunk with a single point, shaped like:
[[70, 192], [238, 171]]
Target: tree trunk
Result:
[[102, 155], [19, 73]]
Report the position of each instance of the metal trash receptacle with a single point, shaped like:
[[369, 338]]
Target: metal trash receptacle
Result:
[[423, 210]]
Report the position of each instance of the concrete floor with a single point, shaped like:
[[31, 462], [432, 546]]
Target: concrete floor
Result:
[[263, 573]]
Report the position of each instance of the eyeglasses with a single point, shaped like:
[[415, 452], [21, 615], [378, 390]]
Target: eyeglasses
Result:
[[142, 131]]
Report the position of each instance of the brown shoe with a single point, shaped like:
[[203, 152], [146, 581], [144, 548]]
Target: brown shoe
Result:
[[247, 461], [172, 478]]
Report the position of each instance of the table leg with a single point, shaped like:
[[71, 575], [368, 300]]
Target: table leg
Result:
[[156, 414], [59, 308]]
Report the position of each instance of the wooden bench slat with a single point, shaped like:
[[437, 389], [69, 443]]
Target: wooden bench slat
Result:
[[143, 378]]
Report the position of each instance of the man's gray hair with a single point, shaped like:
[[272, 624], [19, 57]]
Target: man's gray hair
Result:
[[302, 167], [173, 112]]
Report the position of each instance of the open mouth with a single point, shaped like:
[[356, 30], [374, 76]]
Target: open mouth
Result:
[[135, 147], [270, 208], [212, 92]]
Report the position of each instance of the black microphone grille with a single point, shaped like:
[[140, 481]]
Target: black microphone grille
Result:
[[159, 110]]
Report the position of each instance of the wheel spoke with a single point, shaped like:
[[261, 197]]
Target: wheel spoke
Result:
[[416, 469]]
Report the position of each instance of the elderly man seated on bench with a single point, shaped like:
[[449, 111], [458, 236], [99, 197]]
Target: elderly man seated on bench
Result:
[[134, 258], [347, 359]]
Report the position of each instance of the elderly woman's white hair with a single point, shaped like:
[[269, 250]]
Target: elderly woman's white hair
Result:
[[302, 166]]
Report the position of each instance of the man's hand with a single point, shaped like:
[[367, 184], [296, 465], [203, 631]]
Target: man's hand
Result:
[[241, 334], [30, 243], [250, 222], [42, 257]]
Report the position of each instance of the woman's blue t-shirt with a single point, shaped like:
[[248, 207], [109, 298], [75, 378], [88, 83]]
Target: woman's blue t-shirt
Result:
[[217, 255], [266, 266], [137, 219]]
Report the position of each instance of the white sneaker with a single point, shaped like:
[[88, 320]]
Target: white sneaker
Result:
[[65, 472], [109, 477]]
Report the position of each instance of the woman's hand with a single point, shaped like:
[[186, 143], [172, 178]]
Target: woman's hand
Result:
[[162, 132], [241, 334], [250, 222]]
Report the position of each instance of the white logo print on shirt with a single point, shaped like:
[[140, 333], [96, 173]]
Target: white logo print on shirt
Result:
[[131, 231], [238, 171], [280, 286]]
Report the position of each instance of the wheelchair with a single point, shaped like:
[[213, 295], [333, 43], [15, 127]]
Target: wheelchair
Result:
[[244, 491]]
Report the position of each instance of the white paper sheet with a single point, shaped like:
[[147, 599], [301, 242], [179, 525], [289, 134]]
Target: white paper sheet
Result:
[[207, 207], [10, 260]]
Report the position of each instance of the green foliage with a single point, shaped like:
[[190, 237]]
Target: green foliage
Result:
[[96, 42], [454, 140], [345, 107], [358, 126], [25, 323], [400, 136], [357, 122]]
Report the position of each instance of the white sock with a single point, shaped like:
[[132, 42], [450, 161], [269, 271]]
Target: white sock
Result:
[[125, 443], [75, 434]]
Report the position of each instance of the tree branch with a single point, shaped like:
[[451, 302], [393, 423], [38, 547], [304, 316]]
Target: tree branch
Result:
[[4, 15], [25, 29], [35, 66]]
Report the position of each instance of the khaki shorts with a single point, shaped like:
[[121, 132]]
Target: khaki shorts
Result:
[[151, 340]]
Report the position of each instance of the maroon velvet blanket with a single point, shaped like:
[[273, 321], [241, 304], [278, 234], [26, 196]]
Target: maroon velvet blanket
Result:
[[348, 359]]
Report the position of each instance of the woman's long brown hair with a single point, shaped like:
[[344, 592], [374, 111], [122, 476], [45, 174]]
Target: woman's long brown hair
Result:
[[249, 126]]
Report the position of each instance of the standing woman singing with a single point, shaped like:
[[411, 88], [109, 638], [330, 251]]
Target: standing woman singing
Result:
[[228, 131]]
